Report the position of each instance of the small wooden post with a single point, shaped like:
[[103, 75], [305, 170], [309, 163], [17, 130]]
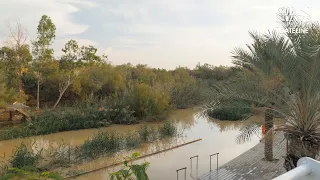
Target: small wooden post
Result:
[[10, 115]]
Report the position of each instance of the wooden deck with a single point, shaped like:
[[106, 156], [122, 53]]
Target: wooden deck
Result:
[[251, 166]]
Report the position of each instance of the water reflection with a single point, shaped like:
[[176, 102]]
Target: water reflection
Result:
[[218, 136]]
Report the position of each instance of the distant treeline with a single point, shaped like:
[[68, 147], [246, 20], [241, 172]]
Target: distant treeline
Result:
[[82, 89], [30, 72]]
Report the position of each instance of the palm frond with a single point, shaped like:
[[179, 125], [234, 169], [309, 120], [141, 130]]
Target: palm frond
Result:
[[247, 132], [283, 75]]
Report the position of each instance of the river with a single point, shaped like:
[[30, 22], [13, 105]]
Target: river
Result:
[[217, 136]]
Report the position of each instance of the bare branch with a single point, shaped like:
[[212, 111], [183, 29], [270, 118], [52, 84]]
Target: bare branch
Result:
[[18, 35]]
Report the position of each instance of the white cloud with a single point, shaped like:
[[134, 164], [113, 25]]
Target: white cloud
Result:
[[162, 34], [29, 12], [169, 45], [82, 3]]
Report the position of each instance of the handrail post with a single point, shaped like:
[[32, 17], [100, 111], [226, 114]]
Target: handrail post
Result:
[[197, 156], [217, 160], [185, 173]]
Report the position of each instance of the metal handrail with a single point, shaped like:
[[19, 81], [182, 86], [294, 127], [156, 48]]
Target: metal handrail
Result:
[[185, 172], [217, 160], [197, 156]]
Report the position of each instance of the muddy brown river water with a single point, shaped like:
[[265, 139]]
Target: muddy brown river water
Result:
[[217, 136]]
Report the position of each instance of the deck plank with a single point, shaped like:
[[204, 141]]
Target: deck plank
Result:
[[250, 165]]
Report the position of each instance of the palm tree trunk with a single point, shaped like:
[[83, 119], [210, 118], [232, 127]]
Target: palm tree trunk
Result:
[[298, 148], [268, 146]]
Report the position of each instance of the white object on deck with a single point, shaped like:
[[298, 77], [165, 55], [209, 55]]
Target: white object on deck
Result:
[[307, 169]]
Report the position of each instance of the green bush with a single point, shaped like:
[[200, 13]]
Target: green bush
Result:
[[30, 173], [168, 129], [132, 141], [119, 112], [17, 132], [68, 119], [147, 103], [230, 113], [146, 133], [185, 95], [100, 143], [23, 157]]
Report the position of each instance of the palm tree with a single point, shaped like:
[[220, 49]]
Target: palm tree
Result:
[[286, 81]]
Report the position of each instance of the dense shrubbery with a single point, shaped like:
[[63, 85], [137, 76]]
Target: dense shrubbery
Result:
[[30, 173], [23, 165], [135, 94], [132, 141], [147, 133], [230, 113], [68, 119], [168, 129], [235, 110], [23, 157], [107, 142], [147, 102], [185, 95], [100, 142], [81, 116]]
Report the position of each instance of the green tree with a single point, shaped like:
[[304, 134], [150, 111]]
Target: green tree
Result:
[[41, 49], [76, 56], [65, 78], [7, 95], [71, 56], [16, 56]]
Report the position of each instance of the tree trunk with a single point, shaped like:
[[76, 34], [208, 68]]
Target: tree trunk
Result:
[[60, 96], [268, 140], [10, 115], [20, 85], [298, 148], [57, 102], [38, 94]]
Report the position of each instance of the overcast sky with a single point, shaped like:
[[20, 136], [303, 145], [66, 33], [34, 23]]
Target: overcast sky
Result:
[[160, 33]]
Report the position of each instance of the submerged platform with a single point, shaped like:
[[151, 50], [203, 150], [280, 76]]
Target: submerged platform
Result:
[[251, 164]]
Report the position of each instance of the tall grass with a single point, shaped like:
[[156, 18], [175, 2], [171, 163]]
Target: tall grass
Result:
[[22, 157], [101, 143], [168, 129], [145, 133], [132, 141]]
